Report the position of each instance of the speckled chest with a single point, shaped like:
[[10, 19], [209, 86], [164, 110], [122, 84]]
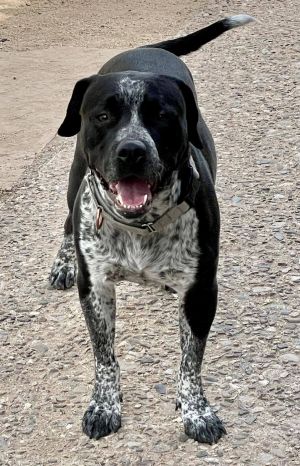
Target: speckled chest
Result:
[[169, 258]]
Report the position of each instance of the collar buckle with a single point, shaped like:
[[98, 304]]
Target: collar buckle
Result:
[[150, 227]]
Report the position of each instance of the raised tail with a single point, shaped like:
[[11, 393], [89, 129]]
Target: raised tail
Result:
[[192, 42]]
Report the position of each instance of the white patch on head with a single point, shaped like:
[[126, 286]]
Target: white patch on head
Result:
[[133, 91]]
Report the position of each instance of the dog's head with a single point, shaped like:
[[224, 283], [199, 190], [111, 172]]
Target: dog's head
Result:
[[134, 129]]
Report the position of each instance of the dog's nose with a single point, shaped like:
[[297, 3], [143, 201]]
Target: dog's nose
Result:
[[132, 150]]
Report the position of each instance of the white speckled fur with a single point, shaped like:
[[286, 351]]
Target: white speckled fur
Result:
[[143, 260]]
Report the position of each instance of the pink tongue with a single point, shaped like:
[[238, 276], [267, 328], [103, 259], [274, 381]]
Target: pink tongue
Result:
[[133, 191]]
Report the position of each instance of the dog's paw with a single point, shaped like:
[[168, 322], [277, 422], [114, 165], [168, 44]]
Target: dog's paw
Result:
[[99, 421], [63, 274], [202, 425]]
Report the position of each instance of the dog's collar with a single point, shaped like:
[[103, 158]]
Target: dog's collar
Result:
[[144, 229]]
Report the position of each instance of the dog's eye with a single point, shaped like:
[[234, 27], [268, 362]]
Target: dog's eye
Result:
[[102, 117]]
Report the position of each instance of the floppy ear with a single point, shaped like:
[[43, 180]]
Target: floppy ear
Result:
[[72, 122], [192, 113]]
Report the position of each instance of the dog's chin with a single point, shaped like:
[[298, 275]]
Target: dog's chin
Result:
[[132, 196]]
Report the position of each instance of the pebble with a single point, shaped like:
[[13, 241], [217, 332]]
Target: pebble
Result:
[[210, 460], [279, 236], [265, 458], [146, 359], [3, 443], [236, 200], [160, 388], [135, 446], [278, 452], [202, 454], [289, 357], [183, 437], [295, 279], [39, 346], [260, 290], [250, 419]]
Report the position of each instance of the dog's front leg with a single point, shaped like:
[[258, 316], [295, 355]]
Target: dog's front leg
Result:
[[63, 271], [103, 415], [196, 314]]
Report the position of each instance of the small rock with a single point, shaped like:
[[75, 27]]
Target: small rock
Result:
[[160, 388], [282, 346], [3, 335], [236, 200], [146, 360], [183, 437], [262, 290], [250, 418], [263, 162], [279, 236], [279, 453], [265, 458], [289, 357], [264, 382], [3, 443], [210, 460], [202, 454], [39, 346], [243, 411], [135, 446], [295, 279]]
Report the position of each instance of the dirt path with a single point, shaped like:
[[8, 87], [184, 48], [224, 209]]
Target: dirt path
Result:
[[246, 84], [47, 46]]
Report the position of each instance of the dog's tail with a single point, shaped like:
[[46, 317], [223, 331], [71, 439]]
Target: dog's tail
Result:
[[192, 42]]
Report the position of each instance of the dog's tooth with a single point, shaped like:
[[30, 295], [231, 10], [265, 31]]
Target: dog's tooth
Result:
[[145, 199]]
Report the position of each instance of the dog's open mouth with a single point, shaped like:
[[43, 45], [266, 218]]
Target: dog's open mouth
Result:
[[132, 196]]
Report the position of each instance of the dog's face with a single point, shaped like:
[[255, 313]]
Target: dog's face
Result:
[[135, 130]]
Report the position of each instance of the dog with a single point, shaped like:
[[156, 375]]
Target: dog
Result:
[[143, 208]]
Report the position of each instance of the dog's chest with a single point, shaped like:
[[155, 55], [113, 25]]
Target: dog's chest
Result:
[[113, 254]]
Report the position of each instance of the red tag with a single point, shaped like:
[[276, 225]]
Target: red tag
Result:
[[99, 219]]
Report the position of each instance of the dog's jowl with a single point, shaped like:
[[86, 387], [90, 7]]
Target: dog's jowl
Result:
[[143, 208]]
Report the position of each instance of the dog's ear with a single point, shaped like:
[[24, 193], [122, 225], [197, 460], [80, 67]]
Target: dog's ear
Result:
[[192, 113], [72, 122]]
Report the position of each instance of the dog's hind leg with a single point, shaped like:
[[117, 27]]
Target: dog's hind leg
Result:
[[63, 271], [195, 318], [103, 415]]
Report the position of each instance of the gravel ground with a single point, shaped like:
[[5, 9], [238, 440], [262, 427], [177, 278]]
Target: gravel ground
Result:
[[246, 85]]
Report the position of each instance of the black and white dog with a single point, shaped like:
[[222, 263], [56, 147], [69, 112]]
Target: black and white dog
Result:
[[143, 208]]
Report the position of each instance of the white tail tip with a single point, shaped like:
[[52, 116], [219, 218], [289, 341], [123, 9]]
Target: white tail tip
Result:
[[238, 20]]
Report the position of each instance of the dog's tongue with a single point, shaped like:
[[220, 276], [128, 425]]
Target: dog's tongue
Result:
[[133, 191]]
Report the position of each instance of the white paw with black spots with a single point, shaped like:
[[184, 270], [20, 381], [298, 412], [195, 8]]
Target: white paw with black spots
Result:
[[101, 420], [63, 274], [202, 424]]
